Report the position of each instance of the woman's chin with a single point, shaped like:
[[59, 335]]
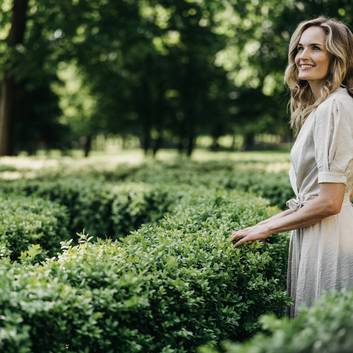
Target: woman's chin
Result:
[[304, 77]]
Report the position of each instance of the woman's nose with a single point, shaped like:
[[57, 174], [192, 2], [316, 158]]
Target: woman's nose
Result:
[[304, 54]]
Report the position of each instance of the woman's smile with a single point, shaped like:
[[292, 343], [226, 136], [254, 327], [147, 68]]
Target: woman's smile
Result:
[[305, 66]]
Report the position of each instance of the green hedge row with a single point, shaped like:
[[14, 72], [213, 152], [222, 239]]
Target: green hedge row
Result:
[[231, 175], [97, 207], [105, 209], [26, 221], [46, 212], [167, 287], [228, 175], [327, 327]]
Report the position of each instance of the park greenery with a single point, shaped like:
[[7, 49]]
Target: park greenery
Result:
[[136, 258], [130, 252], [133, 259], [164, 72]]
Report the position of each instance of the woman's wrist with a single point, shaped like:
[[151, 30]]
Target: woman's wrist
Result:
[[269, 229]]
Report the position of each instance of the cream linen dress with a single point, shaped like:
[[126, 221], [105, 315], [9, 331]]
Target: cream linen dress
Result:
[[321, 255]]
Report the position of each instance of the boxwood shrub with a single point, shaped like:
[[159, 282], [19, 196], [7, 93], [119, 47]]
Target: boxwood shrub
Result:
[[327, 327], [167, 287], [97, 207], [228, 175], [134, 204], [26, 221]]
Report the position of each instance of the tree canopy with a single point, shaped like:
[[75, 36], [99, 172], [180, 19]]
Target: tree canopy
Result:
[[163, 71]]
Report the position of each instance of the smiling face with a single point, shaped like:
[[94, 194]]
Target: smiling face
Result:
[[312, 58]]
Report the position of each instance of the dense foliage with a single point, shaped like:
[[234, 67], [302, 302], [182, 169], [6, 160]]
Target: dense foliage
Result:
[[325, 328], [28, 221], [162, 71], [167, 287], [227, 175], [96, 207], [168, 281]]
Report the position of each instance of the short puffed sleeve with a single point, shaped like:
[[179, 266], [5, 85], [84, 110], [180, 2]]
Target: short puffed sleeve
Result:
[[333, 140]]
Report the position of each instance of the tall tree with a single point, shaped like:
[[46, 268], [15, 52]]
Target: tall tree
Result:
[[10, 86]]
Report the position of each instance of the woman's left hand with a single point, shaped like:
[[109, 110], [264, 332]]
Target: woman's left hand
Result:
[[250, 234]]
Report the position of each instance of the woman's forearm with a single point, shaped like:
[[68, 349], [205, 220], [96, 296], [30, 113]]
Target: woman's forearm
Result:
[[313, 212], [277, 216]]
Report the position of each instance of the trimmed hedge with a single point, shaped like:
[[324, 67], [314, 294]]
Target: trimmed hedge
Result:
[[327, 327], [97, 207], [136, 204], [275, 187], [215, 174], [106, 209], [27, 221], [167, 287]]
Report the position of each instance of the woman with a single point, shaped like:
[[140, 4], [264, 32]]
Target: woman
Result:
[[320, 78]]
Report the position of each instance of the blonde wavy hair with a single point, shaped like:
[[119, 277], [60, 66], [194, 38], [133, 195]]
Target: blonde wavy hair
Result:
[[339, 43]]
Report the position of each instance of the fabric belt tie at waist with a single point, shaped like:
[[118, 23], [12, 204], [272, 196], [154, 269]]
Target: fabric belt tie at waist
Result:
[[296, 203]]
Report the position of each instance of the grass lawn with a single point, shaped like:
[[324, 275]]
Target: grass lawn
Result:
[[32, 166]]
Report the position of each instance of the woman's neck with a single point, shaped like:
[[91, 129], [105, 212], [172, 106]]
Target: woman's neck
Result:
[[316, 88]]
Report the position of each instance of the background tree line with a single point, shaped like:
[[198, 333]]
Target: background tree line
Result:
[[161, 70]]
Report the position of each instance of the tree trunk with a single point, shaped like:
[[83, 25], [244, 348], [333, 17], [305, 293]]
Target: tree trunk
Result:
[[6, 112], [249, 141], [180, 145], [232, 147], [87, 147], [215, 146], [157, 143], [146, 140], [8, 91], [190, 144]]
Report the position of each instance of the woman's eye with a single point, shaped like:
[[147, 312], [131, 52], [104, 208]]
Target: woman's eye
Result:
[[299, 48], [315, 47]]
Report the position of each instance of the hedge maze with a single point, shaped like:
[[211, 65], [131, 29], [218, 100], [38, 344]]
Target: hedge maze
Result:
[[138, 260]]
